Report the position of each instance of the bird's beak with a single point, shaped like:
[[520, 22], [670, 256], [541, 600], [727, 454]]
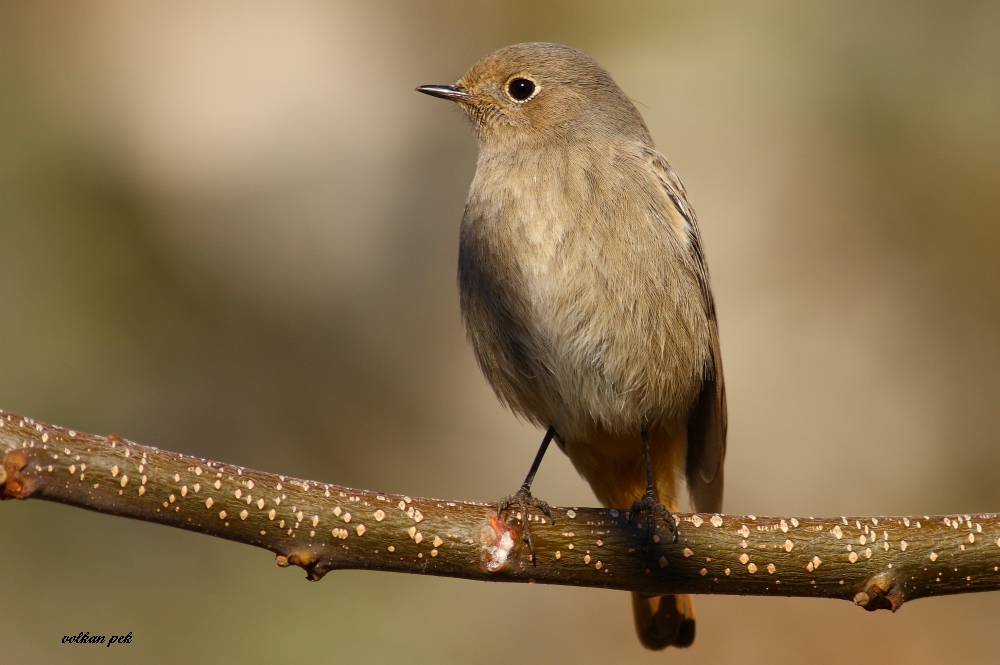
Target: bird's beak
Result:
[[453, 92]]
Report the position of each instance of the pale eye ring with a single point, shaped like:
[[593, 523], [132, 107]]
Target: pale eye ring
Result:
[[521, 89]]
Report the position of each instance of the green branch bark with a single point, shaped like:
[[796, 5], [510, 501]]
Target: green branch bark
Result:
[[876, 562]]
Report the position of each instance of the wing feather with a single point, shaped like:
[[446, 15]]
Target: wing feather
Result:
[[706, 450]]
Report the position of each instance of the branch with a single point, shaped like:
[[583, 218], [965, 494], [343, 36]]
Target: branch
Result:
[[876, 562]]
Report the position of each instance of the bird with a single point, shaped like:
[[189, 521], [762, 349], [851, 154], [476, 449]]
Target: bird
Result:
[[586, 296]]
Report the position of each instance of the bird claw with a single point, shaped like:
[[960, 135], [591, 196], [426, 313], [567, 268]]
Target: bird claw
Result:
[[648, 504], [525, 500]]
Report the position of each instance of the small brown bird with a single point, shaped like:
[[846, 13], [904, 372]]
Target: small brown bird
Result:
[[585, 292]]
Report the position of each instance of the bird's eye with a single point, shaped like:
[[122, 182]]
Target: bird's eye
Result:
[[521, 90]]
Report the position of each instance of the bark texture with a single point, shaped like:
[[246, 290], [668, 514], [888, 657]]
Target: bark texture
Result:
[[875, 562]]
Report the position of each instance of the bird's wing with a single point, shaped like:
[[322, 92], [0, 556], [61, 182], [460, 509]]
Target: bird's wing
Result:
[[707, 428]]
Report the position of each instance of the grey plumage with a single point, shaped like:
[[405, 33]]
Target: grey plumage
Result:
[[584, 287]]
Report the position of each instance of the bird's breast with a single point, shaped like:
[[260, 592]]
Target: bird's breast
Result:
[[576, 306]]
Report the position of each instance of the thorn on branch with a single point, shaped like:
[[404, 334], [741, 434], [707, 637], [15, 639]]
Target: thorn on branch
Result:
[[308, 560], [881, 593], [13, 485]]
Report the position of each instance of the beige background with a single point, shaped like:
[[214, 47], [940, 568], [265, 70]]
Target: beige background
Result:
[[230, 229]]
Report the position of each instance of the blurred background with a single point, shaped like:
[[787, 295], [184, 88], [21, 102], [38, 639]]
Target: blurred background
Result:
[[230, 229]]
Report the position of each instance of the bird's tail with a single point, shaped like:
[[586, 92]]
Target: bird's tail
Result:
[[613, 466], [663, 621]]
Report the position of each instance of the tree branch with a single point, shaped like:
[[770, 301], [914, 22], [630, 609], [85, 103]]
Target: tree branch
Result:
[[877, 562]]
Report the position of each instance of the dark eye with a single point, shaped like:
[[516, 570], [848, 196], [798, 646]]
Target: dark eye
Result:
[[521, 89]]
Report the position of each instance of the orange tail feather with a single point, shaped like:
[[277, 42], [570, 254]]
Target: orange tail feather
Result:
[[663, 621]]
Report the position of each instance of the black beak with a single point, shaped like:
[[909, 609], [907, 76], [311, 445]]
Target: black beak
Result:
[[452, 92]]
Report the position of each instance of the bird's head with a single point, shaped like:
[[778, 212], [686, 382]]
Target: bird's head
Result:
[[537, 93]]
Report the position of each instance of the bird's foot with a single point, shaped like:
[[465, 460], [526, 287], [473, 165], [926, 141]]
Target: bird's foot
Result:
[[525, 501], [653, 508]]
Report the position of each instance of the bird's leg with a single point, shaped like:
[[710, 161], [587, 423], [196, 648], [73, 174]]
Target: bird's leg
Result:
[[523, 496], [649, 503]]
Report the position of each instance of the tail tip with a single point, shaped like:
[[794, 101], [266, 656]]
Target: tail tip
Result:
[[685, 634], [664, 621]]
